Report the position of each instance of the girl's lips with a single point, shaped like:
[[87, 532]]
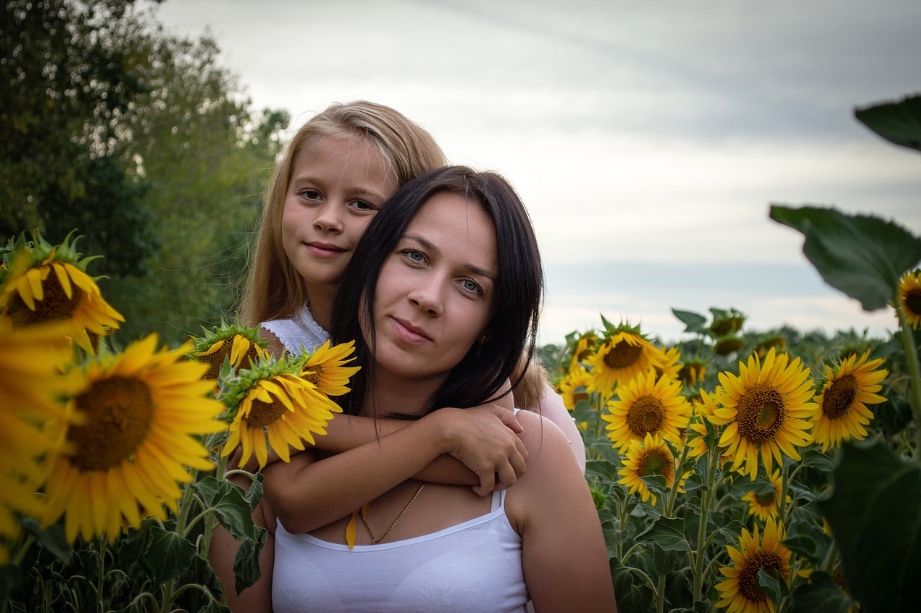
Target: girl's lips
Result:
[[324, 250], [408, 333]]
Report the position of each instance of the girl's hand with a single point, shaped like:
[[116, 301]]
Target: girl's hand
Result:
[[485, 440]]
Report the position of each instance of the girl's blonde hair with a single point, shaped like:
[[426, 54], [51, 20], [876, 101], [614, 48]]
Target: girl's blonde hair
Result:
[[274, 288]]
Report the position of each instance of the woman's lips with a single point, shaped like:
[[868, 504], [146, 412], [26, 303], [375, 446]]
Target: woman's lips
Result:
[[409, 333]]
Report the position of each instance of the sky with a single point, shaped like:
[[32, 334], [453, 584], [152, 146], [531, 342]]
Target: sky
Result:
[[647, 139]]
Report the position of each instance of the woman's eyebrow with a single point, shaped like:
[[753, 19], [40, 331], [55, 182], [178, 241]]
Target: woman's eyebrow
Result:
[[429, 245]]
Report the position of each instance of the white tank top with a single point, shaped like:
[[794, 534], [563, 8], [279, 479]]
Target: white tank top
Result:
[[301, 333], [472, 567]]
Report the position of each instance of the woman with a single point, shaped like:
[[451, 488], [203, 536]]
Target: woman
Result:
[[442, 297]]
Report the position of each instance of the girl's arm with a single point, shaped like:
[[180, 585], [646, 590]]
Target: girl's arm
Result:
[[564, 556], [551, 406], [472, 462], [307, 494]]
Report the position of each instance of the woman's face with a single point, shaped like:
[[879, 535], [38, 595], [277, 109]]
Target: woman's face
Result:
[[435, 293], [337, 184]]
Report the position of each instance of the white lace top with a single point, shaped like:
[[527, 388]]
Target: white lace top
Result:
[[298, 334]]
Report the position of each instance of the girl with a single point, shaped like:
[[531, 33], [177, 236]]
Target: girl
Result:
[[335, 174], [442, 297]]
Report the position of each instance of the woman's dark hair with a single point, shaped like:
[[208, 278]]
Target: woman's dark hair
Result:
[[519, 286]]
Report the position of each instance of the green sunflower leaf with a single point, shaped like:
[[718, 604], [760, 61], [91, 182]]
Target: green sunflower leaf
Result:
[[694, 322], [667, 534], [168, 554], [875, 515], [862, 256], [817, 459], [897, 122], [821, 595], [246, 562], [230, 505], [770, 585]]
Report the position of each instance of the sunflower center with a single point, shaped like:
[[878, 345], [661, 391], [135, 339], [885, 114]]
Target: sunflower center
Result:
[[748, 577], [761, 413], [655, 463], [623, 355], [766, 500], [119, 413], [913, 302], [55, 306], [262, 414], [216, 360], [313, 375], [645, 415], [838, 398]]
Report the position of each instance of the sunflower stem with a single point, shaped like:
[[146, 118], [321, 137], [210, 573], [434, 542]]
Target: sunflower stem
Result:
[[705, 502], [100, 600], [914, 371], [660, 594], [673, 492], [782, 503], [828, 564]]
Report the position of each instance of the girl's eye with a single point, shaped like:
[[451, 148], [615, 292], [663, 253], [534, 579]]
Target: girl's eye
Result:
[[363, 206], [310, 194], [472, 286]]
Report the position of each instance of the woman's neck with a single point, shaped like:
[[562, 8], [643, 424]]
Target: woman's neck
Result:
[[320, 300], [394, 394]]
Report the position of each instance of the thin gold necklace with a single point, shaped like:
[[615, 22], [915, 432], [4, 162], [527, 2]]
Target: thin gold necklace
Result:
[[375, 540]]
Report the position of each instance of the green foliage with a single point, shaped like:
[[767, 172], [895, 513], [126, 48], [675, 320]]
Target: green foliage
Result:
[[897, 122], [874, 515], [65, 89], [863, 256]]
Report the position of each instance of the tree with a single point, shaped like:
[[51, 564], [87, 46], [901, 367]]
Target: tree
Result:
[[65, 88], [142, 142]]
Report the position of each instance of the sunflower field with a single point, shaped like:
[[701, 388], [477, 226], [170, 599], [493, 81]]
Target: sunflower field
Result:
[[116, 465], [732, 471]]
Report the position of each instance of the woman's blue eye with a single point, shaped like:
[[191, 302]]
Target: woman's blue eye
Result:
[[415, 256], [471, 286]]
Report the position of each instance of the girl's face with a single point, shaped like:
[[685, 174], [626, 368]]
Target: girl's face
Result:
[[337, 184], [435, 293]]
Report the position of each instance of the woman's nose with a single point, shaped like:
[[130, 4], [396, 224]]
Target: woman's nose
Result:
[[427, 295]]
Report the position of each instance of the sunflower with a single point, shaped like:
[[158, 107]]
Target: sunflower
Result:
[[647, 405], [847, 391], [240, 344], [326, 370], [131, 437], [645, 459], [697, 428], [583, 349], [574, 387], [765, 505], [910, 297], [32, 294], [728, 344], [274, 407], [624, 354], [740, 592], [692, 372], [766, 408], [31, 380], [668, 362]]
